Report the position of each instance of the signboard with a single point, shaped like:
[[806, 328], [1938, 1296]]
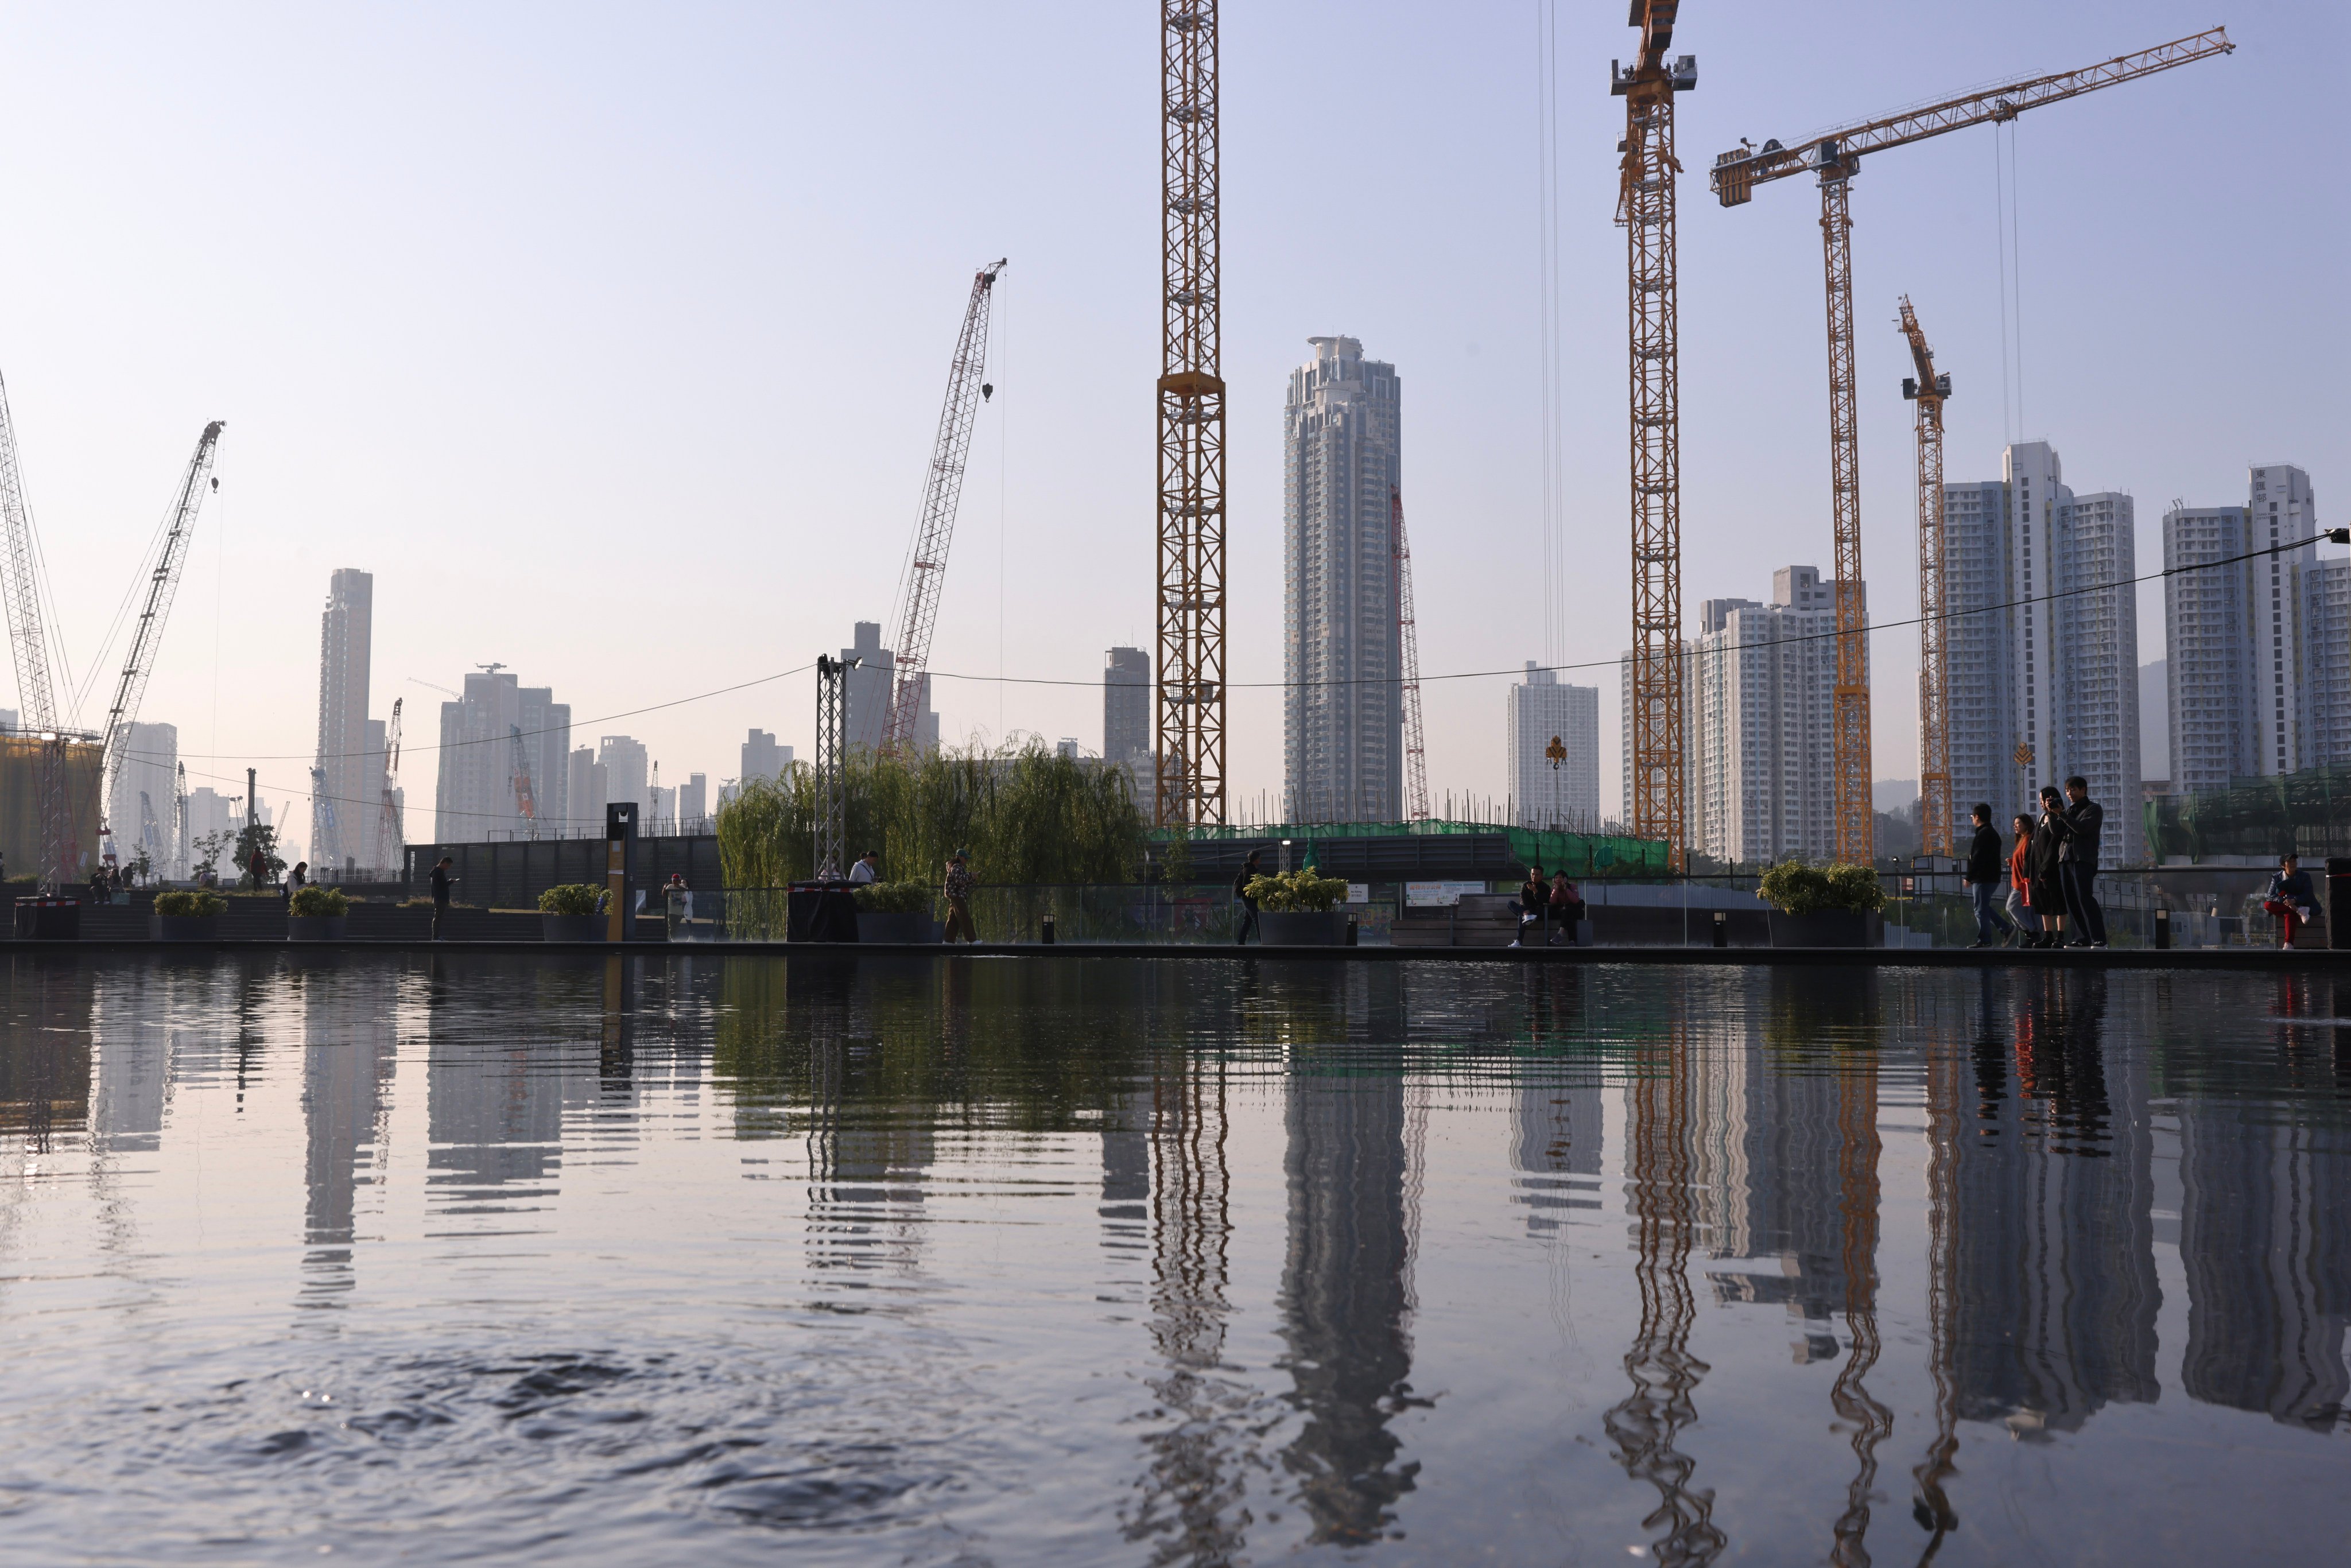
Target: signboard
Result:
[[1437, 895], [1359, 892]]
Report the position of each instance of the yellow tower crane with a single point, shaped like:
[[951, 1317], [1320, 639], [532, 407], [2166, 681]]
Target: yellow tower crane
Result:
[[1835, 157], [1644, 206], [1937, 833]]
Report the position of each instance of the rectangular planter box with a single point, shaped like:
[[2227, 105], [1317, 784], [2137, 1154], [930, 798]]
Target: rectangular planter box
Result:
[[315, 928], [916, 926], [1829, 928], [187, 928], [1302, 928], [48, 919], [573, 927]]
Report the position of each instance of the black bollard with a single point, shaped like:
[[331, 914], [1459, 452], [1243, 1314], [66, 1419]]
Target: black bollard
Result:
[[1723, 928], [1049, 931], [2162, 929]]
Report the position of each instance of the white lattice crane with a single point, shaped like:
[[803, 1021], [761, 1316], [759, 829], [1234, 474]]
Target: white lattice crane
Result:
[[1416, 748], [927, 564]]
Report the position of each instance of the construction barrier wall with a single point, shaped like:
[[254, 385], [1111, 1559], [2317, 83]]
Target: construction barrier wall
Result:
[[20, 802]]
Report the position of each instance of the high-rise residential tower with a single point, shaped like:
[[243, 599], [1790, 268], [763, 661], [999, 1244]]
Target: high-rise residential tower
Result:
[[628, 769], [1343, 750], [2256, 647], [1553, 791], [341, 825], [867, 721], [476, 796], [2043, 642], [1762, 679], [143, 809], [763, 758], [1126, 714]]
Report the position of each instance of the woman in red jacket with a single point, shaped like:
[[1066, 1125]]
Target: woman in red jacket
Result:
[[2020, 884]]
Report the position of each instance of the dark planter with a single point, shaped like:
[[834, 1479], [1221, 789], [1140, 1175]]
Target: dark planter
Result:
[[914, 926], [315, 928], [187, 928], [572, 927], [1829, 928], [48, 919], [1303, 928]]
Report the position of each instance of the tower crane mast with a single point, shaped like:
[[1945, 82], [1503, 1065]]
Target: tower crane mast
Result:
[[1834, 157], [388, 832], [1189, 746], [1937, 829], [524, 801], [163, 582], [1644, 206], [926, 566], [1416, 748]]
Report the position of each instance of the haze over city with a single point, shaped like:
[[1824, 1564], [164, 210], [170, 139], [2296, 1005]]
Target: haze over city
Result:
[[613, 347]]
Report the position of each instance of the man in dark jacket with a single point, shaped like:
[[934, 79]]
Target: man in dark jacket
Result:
[[1534, 903], [1247, 903], [2078, 863], [2291, 898], [1986, 856], [441, 882]]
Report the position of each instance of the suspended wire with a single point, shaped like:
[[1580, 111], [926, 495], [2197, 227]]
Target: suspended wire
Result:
[[1368, 680], [2016, 280], [1547, 238], [1999, 250]]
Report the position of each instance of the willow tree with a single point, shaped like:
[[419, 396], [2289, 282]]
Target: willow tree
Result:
[[1027, 815]]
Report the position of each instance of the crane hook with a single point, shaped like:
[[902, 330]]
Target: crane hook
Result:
[[987, 391]]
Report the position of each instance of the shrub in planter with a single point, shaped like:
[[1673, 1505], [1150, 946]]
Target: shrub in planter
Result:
[[188, 914], [568, 913], [316, 904], [893, 898], [1796, 888], [571, 898], [1302, 891]]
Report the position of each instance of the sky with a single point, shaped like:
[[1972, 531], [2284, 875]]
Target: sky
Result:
[[611, 340]]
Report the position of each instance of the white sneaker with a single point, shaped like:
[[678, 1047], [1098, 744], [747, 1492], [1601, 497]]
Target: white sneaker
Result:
[[1514, 941]]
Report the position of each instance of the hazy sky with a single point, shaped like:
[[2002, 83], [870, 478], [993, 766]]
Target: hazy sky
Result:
[[611, 340]]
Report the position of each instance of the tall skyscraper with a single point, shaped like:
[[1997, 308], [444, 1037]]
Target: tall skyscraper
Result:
[[867, 721], [1762, 683], [1127, 704], [585, 786], [693, 803], [763, 758], [142, 812], [476, 796], [2043, 687], [627, 767], [341, 824], [2257, 647], [1342, 751], [1549, 791]]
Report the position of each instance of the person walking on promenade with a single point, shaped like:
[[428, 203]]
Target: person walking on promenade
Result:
[[1982, 878], [1242, 896], [867, 869], [958, 888], [257, 865], [2290, 897], [2048, 885], [1534, 904], [1566, 906], [2077, 863], [2020, 884], [442, 882]]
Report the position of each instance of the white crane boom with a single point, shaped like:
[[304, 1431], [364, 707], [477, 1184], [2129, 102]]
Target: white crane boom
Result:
[[163, 582], [20, 584], [926, 567]]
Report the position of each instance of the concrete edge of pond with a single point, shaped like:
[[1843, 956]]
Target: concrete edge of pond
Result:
[[2256, 959]]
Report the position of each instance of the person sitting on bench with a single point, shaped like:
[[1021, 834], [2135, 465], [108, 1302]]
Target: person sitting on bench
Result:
[[2291, 898]]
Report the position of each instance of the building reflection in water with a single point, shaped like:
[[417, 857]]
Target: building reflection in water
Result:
[[873, 1095], [1345, 1297], [496, 1097], [349, 1051], [1661, 1098], [2052, 1278], [45, 1070], [2265, 1233]]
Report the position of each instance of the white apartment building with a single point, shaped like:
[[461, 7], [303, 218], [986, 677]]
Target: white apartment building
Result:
[[1762, 679], [867, 721], [585, 789], [143, 811], [627, 773], [762, 758], [2257, 648], [498, 733], [347, 779], [2043, 687], [1343, 722], [1558, 791]]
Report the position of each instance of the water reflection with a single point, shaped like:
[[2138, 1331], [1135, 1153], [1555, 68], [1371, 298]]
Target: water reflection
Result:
[[1956, 1190]]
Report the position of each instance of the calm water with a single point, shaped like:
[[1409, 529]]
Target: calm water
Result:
[[975, 1260]]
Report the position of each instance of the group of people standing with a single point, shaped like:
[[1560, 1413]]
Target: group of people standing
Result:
[[2051, 868]]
